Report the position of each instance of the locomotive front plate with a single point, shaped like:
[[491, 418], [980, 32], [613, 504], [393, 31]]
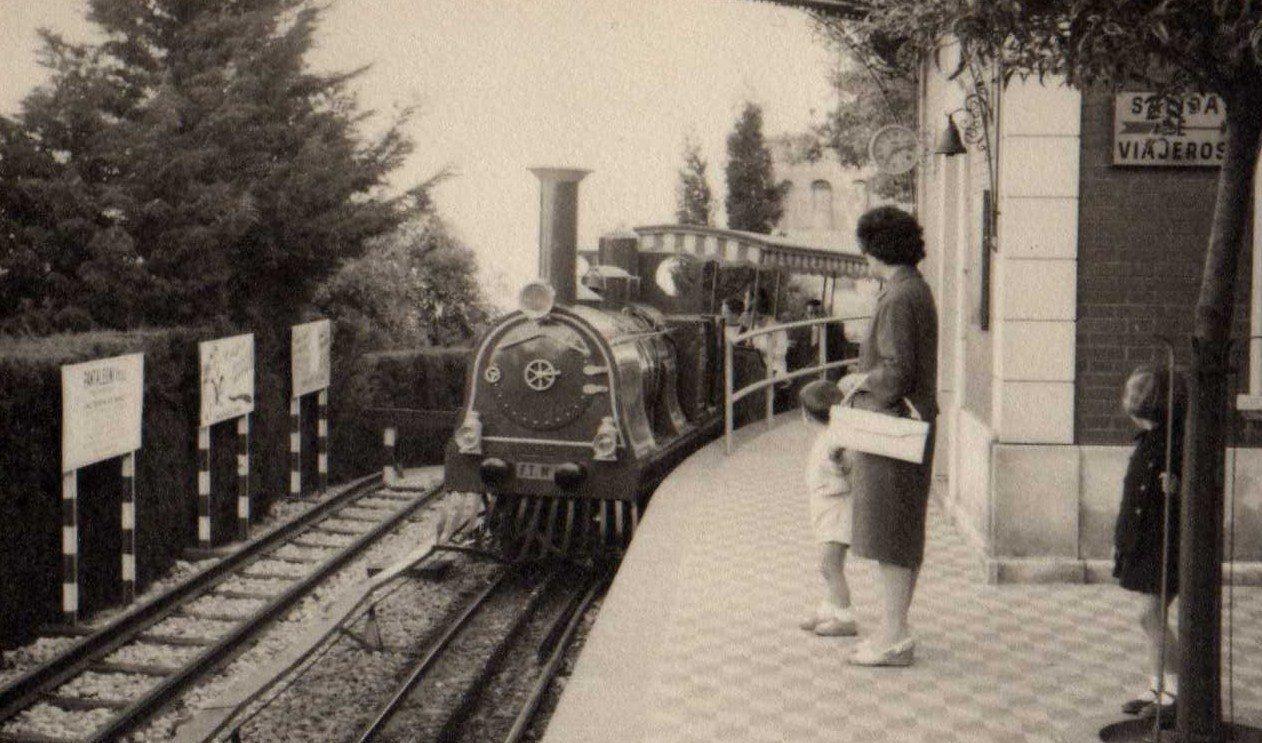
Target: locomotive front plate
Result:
[[539, 379]]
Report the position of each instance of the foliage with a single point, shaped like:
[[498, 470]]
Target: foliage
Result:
[[753, 196], [413, 288], [693, 197], [188, 168], [869, 97]]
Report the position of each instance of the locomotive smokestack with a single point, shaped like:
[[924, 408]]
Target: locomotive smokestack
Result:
[[558, 228]]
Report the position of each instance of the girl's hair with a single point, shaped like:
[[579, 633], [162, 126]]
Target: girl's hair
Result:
[[1146, 393], [891, 235], [818, 398]]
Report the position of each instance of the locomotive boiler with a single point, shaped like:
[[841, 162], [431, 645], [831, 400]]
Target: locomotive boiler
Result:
[[575, 408]]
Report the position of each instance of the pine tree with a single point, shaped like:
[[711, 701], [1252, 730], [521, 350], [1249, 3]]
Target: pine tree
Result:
[[212, 175], [753, 197], [693, 197]]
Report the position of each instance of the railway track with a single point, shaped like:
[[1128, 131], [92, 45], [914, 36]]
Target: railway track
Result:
[[458, 686], [204, 623]]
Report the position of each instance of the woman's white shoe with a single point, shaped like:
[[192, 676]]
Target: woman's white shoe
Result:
[[899, 654]]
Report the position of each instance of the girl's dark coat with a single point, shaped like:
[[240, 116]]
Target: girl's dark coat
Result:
[[1137, 535]]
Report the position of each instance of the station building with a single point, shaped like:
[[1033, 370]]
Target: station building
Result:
[[1101, 217]]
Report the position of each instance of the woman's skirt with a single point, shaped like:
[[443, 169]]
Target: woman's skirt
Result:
[[891, 498]]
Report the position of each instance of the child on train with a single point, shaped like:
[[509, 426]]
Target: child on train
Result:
[[828, 485], [1145, 535]]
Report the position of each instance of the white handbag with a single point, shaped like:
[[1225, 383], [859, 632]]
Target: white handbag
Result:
[[879, 433]]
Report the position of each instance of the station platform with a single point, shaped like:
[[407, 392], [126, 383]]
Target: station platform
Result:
[[697, 639]]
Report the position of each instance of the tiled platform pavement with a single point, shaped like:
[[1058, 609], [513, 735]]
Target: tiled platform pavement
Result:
[[698, 638]]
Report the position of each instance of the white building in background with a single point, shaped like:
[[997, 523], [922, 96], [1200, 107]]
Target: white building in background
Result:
[[824, 199]]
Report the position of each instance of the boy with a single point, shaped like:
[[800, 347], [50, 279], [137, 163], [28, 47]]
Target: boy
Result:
[[827, 480]]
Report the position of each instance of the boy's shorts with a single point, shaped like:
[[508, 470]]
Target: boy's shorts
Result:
[[831, 517]]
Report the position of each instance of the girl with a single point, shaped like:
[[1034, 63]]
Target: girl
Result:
[[1142, 536], [827, 480]]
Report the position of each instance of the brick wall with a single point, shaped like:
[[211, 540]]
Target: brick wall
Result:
[[1141, 246]]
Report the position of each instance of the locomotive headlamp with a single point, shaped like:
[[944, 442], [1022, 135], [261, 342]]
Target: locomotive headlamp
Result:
[[569, 475], [469, 435], [605, 445], [537, 300], [493, 470]]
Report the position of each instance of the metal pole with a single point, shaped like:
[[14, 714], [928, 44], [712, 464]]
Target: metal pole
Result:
[[128, 518], [1167, 493], [823, 348], [727, 392]]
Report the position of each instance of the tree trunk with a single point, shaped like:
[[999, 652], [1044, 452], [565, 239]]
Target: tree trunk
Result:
[[1201, 542]]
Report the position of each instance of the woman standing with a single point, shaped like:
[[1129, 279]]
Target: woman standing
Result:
[[897, 374]]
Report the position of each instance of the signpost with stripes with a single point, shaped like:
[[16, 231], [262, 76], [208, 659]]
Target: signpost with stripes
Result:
[[310, 348], [101, 407], [227, 393]]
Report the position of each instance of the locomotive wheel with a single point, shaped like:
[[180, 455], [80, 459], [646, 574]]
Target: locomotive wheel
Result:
[[567, 531], [546, 544]]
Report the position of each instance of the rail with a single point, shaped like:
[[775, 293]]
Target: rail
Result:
[[732, 396]]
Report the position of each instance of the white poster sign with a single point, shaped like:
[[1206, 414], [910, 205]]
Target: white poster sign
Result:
[[1182, 131], [309, 354], [227, 378], [101, 404]]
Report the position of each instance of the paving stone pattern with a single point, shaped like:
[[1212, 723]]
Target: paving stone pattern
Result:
[[698, 638]]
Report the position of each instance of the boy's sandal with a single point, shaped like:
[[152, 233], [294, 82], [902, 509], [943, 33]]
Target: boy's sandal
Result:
[[1139, 704], [899, 654]]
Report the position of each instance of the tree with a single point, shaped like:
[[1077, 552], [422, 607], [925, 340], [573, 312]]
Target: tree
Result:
[[415, 287], [869, 97], [1170, 46], [693, 197], [753, 197], [212, 175]]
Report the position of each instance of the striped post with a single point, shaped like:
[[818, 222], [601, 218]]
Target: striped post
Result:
[[70, 547], [243, 476], [388, 437], [129, 527], [203, 487], [322, 440], [295, 447]]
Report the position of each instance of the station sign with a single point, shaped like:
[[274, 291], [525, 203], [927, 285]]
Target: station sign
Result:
[[310, 347], [101, 405], [227, 378], [1184, 130]]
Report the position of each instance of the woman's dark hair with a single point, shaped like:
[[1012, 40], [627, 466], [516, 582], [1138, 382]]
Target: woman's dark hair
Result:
[[1147, 393], [891, 235]]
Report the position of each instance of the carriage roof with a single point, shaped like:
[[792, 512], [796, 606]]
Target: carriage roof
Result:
[[749, 248]]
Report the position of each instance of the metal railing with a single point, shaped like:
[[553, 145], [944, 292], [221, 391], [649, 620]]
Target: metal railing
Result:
[[732, 396]]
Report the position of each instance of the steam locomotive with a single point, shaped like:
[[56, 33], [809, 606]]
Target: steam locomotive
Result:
[[576, 408], [582, 400]]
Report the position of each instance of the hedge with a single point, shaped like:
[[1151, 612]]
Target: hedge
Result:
[[30, 458], [419, 379], [166, 484]]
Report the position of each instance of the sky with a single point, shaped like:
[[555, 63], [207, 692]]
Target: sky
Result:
[[613, 86]]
